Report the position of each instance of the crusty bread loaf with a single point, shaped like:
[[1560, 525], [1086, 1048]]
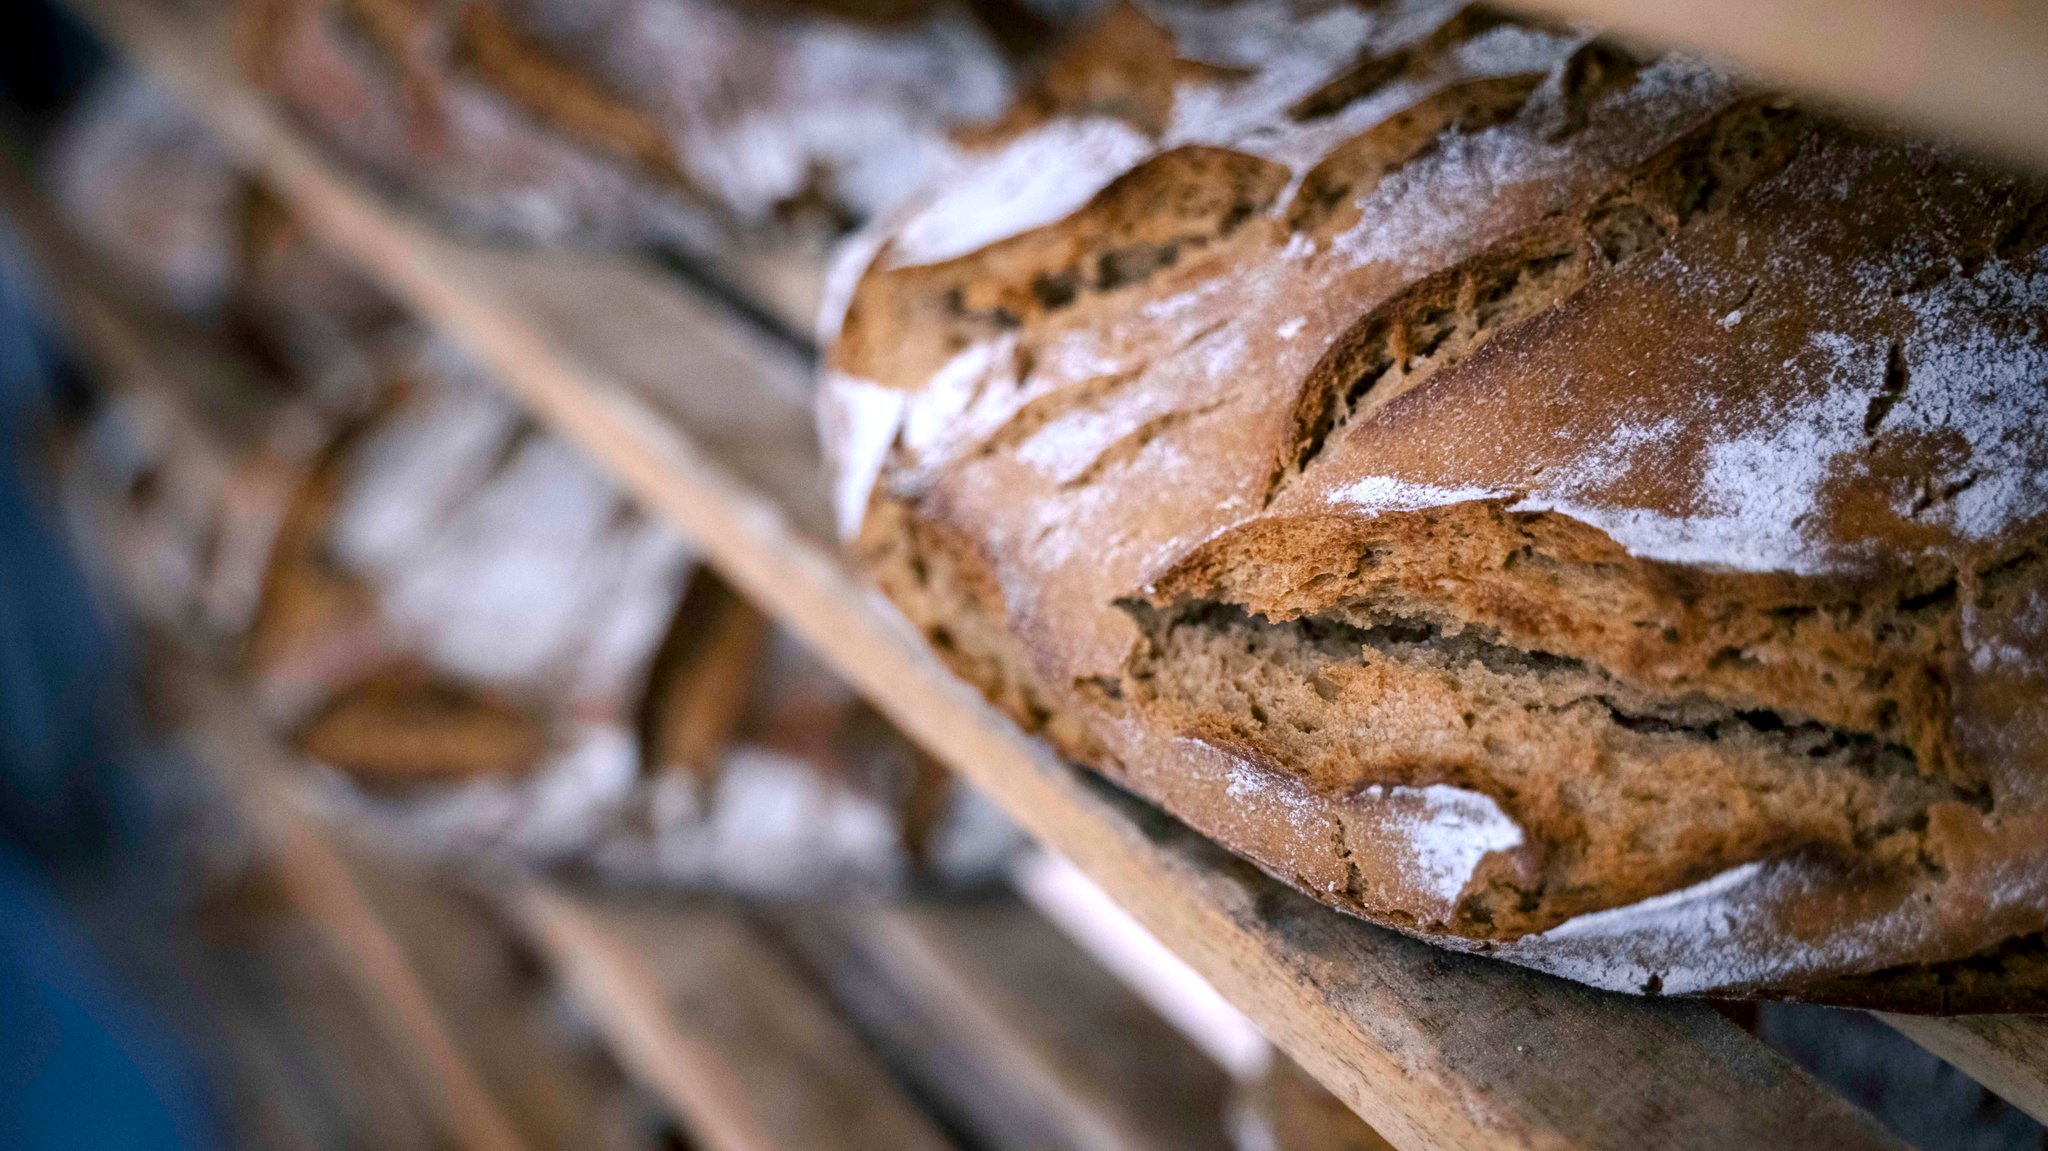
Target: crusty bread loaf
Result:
[[279, 333], [145, 184], [457, 613], [185, 230], [478, 640], [1556, 503], [625, 121]]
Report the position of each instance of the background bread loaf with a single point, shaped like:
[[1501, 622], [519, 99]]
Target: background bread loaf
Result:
[[633, 121], [480, 645]]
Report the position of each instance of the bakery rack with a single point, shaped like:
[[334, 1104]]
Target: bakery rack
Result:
[[703, 413]]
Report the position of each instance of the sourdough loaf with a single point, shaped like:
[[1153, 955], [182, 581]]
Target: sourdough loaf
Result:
[[482, 649], [230, 295], [145, 185], [686, 121], [481, 643], [1553, 501]]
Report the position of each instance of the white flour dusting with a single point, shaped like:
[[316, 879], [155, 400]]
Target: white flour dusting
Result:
[[500, 554], [1254, 786], [758, 110], [860, 420], [1041, 177], [1688, 940], [1375, 494], [776, 822], [1987, 387], [1758, 494], [586, 781], [1249, 35], [1759, 497], [1447, 832], [1427, 208], [1296, 60]]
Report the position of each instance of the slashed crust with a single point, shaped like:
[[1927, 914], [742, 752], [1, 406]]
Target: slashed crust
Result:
[[1552, 502]]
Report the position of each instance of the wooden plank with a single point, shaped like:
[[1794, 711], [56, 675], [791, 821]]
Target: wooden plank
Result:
[[708, 1016], [1285, 1110], [471, 965], [1021, 1038], [2008, 1054], [227, 739], [441, 978], [1971, 69], [299, 1063], [1084, 913], [1433, 1049]]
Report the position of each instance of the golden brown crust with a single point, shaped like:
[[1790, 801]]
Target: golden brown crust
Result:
[[1125, 67], [558, 94], [406, 726], [1554, 503]]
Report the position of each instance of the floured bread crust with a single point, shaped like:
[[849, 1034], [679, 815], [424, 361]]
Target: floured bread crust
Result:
[[484, 646], [494, 652], [1556, 503], [631, 121]]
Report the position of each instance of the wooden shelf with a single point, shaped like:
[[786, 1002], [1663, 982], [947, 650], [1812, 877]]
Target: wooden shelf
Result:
[[1977, 72], [2008, 1054], [317, 877], [702, 1009], [708, 423]]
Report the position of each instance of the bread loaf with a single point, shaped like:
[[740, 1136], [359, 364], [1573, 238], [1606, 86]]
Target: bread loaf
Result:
[[258, 347], [482, 644], [628, 121], [1557, 503], [146, 186]]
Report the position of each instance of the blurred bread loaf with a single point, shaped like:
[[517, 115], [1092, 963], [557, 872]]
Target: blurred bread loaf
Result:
[[698, 122], [481, 645]]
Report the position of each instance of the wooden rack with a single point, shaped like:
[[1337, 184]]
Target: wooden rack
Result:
[[707, 420], [1977, 72]]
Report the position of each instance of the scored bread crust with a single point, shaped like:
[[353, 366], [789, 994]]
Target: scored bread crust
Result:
[[1555, 503]]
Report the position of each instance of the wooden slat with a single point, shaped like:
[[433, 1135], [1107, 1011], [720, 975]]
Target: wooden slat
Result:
[[1024, 1040], [2008, 1054], [706, 1014], [437, 972], [300, 1066], [1973, 69], [470, 965], [1433, 1049], [1285, 1110], [227, 739]]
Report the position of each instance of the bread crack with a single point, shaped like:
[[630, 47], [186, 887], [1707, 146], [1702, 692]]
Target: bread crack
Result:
[[1594, 69], [1628, 792], [1128, 446], [1378, 70], [1173, 214], [1896, 380], [1353, 169], [1439, 321]]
